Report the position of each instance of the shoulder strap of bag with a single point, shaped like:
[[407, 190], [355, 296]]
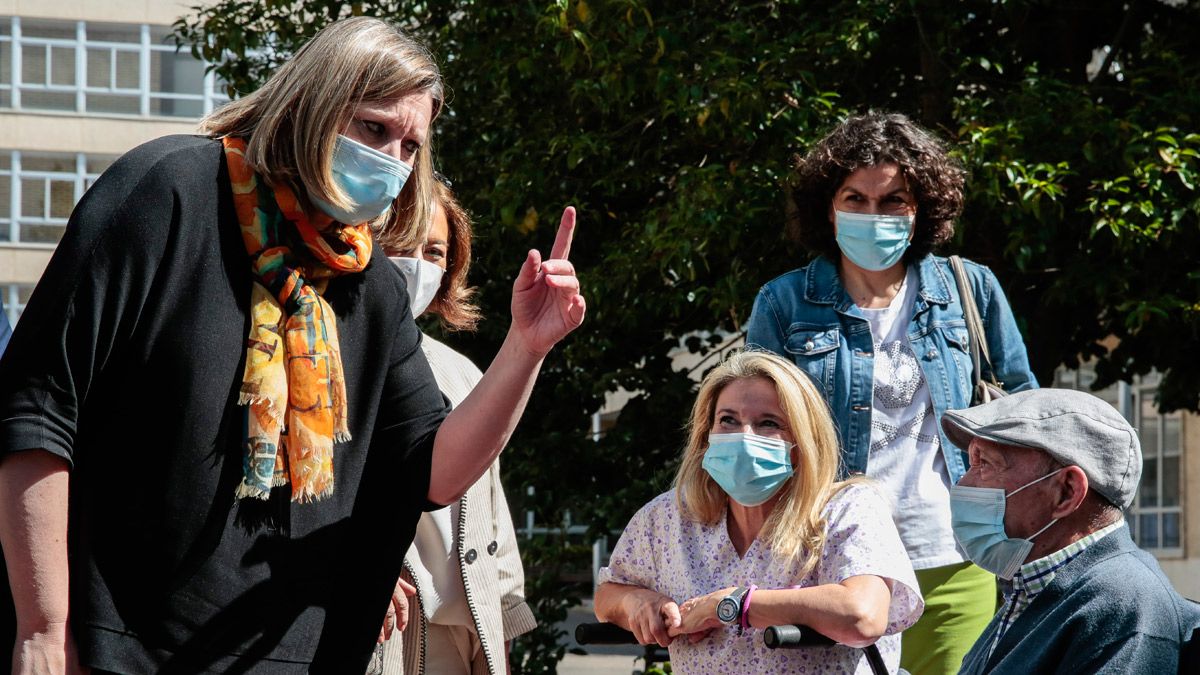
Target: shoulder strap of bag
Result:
[[978, 342]]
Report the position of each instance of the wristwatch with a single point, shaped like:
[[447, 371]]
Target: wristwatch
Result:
[[729, 610]]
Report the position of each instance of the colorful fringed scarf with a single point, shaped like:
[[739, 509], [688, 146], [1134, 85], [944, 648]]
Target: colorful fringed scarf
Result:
[[293, 388]]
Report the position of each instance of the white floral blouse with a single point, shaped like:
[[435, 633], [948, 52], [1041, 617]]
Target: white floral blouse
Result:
[[660, 550]]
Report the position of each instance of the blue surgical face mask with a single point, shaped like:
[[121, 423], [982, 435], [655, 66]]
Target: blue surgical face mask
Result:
[[871, 241], [977, 518], [748, 467], [371, 178]]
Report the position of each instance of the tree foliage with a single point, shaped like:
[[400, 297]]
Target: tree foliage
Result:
[[672, 126]]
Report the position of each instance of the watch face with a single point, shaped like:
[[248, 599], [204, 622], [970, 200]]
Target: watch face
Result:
[[727, 610]]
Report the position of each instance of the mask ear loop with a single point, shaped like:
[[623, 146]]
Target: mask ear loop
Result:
[[1030, 537], [1033, 482]]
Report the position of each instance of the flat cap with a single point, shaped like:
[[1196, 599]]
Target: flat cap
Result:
[[1071, 426]]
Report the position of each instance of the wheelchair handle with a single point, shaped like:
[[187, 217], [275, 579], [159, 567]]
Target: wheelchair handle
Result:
[[787, 637], [775, 637]]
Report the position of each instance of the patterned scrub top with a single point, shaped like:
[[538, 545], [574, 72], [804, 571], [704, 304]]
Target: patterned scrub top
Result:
[[662, 551]]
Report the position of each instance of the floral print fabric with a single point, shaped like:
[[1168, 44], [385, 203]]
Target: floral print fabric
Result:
[[665, 552]]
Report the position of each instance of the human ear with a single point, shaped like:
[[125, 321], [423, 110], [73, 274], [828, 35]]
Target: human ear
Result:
[[1072, 490]]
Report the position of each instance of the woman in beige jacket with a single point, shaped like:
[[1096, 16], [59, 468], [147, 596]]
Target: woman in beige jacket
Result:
[[463, 569]]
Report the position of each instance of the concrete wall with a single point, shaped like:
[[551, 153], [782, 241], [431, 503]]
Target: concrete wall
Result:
[[71, 133], [22, 265], [161, 12]]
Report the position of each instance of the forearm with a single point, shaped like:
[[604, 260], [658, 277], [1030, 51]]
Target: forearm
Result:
[[615, 603], [853, 612], [475, 432], [33, 532], [607, 601]]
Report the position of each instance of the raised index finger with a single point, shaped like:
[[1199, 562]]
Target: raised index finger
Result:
[[566, 232]]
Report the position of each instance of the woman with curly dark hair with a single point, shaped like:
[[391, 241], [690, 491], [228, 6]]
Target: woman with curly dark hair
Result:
[[876, 320]]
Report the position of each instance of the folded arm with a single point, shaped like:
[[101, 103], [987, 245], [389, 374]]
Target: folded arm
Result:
[[853, 612], [649, 615]]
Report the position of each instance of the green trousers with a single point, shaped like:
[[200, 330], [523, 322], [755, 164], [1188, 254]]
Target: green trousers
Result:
[[959, 602]]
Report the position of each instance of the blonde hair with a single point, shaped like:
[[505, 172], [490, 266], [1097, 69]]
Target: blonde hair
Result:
[[293, 120], [795, 528]]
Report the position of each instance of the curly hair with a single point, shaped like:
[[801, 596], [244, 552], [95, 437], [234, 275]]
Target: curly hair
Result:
[[453, 303], [934, 177]]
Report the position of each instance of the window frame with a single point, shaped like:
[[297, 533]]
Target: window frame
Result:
[[12, 301], [1142, 393], [145, 93], [12, 219]]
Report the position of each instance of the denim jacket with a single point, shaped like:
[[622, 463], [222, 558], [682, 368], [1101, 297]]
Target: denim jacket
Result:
[[807, 315]]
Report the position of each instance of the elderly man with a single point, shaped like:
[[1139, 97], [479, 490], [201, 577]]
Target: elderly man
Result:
[[1041, 507]]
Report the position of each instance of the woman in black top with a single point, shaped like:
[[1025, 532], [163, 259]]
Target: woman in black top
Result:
[[198, 278]]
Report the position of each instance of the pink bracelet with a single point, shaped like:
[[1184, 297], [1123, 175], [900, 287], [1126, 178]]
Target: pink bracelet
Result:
[[744, 620]]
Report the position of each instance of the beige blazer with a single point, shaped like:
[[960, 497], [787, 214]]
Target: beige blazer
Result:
[[486, 544]]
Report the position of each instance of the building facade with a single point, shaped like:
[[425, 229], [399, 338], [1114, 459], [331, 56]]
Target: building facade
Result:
[[1163, 519], [81, 82]]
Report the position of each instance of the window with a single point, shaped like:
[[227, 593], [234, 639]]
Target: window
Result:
[[98, 68], [38, 191], [15, 297], [1156, 516], [602, 422]]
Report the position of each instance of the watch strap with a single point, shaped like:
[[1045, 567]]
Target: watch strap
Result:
[[744, 614]]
